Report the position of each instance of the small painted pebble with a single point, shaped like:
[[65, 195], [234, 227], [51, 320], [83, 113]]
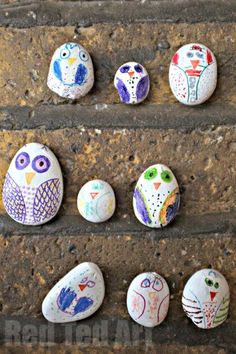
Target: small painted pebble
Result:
[[206, 298], [148, 299], [71, 72], [156, 196], [76, 296], [96, 201], [132, 83], [33, 187], [193, 74]]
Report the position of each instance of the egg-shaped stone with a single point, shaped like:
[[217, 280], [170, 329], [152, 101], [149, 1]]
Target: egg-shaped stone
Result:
[[193, 74], [206, 298], [148, 299], [156, 197], [33, 187], [132, 83], [76, 296], [71, 73], [96, 201]]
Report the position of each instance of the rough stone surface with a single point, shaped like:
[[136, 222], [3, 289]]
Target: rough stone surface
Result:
[[109, 46], [203, 162]]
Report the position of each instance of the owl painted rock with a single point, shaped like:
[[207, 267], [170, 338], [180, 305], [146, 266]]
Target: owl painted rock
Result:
[[96, 201], [156, 196], [71, 72], [132, 83], [76, 296], [206, 298], [148, 299], [193, 74], [33, 187]]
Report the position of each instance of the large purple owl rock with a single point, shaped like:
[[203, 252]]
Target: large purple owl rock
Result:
[[33, 187], [132, 83]]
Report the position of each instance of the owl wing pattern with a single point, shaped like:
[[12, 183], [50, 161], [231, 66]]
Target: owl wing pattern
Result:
[[57, 70], [194, 311], [13, 200], [123, 91], [179, 83], [141, 206], [81, 74], [222, 312], [47, 200], [142, 87]]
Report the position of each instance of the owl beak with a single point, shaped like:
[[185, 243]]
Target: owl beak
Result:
[[156, 185], [29, 176], [82, 286], [195, 63], [71, 60], [131, 73], [213, 294]]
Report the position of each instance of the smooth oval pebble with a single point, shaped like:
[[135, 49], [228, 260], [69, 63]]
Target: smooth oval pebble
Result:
[[148, 299], [96, 201], [132, 83], [193, 74], [156, 196], [71, 73], [33, 187], [76, 296], [206, 298]]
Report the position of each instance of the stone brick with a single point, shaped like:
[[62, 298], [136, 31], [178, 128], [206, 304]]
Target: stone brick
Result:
[[203, 161], [25, 55]]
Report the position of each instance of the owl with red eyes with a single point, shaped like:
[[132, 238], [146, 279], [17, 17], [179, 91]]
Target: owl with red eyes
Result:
[[132, 83], [193, 74], [148, 299], [33, 187]]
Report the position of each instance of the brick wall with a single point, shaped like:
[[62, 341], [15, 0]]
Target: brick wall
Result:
[[98, 137]]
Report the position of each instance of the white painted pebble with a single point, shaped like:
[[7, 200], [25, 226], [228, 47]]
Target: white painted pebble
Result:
[[148, 299], [96, 201], [206, 298], [156, 196], [76, 296], [193, 74]]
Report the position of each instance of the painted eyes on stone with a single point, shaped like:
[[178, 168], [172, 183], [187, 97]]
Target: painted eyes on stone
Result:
[[41, 164], [138, 68], [216, 285], [200, 55], [22, 160], [158, 284], [65, 53], [145, 283], [83, 55], [150, 173], [209, 282], [166, 176], [124, 69], [190, 55]]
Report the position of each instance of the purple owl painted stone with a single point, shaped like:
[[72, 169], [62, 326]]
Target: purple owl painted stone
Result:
[[132, 83], [33, 187]]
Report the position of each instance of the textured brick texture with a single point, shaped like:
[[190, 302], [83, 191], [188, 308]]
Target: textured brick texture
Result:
[[97, 137]]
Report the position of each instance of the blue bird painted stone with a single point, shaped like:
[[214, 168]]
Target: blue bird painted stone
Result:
[[76, 296], [71, 73], [132, 83]]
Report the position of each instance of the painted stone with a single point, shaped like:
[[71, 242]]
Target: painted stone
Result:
[[96, 201], [76, 296], [193, 74], [132, 83], [71, 72], [148, 299], [33, 187], [156, 196], [206, 298]]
